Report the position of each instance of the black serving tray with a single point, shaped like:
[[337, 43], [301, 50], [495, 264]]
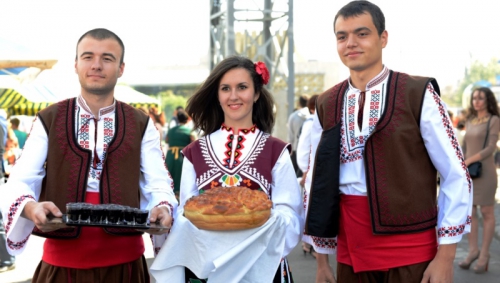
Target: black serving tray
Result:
[[62, 222]]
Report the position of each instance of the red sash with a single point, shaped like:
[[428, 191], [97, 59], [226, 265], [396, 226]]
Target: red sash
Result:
[[358, 247], [93, 248]]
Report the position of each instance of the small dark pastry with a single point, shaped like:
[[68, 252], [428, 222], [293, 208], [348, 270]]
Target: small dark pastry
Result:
[[141, 216], [128, 216], [73, 210], [85, 213], [97, 214], [115, 214]]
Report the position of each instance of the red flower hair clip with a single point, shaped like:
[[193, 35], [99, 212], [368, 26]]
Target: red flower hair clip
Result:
[[262, 70]]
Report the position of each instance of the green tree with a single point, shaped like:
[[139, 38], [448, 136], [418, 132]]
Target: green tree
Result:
[[170, 101]]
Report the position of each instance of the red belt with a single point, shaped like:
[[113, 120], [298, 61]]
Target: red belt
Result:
[[358, 247], [93, 248]]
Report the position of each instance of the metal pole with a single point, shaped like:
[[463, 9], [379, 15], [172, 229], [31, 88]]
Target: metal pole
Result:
[[215, 18], [291, 64], [266, 25], [230, 48]]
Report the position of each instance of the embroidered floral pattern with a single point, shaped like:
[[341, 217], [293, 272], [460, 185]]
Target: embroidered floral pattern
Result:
[[14, 208], [451, 134], [237, 151], [170, 207], [374, 109], [230, 180], [108, 130], [245, 131], [251, 171], [352, 144], [326, 243], [169, 176], [246, 170], [83, 137], [451, 231], [214, 169], [305, 199], [17, 245], [83, 133], [350, 149]]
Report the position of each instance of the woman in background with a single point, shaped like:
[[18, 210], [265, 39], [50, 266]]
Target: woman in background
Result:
[[478, 146], [303, 156], [177, 138]]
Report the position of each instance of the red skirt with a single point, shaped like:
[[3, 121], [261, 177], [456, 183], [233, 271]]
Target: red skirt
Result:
[[93, 248], [358, 247]]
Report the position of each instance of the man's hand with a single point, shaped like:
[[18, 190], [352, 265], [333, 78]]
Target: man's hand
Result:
[[39, 212], [162, 216], [324, 272], [440, 269]]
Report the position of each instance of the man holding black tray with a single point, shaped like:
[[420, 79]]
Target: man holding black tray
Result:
[[89, 149]]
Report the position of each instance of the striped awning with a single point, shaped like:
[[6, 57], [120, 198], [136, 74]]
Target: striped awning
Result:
[[16, 103]]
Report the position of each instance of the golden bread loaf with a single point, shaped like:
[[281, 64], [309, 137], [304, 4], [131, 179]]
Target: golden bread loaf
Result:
[[233, 208]]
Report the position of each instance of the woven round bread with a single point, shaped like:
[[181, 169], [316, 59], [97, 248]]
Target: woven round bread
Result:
[[233, 208]]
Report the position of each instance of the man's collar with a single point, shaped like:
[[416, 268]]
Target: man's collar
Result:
[[376, 80], [102, 111]]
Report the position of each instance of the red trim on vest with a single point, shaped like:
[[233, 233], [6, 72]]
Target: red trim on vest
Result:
[[358, 247], [94, 248]]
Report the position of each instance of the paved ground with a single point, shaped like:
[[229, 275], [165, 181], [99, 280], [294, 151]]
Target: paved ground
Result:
[[303, 266]]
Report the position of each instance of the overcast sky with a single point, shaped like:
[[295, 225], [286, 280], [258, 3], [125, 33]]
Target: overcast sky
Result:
[[428, 37]]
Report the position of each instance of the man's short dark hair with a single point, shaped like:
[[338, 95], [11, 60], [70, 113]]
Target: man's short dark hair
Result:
[[15, 122], [101, 34], [303, 101], [179, 108], [182, 116], [359, 7]]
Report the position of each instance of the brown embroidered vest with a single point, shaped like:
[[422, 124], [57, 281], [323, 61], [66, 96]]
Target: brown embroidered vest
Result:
[[400, 177], [67, 165], [254, 171]]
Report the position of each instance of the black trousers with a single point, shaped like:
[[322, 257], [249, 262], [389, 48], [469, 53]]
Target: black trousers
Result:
[[407, 274]]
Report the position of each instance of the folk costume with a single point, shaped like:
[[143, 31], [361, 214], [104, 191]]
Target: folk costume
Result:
[[73, 156], [177, 138], [249, 158], [374, 158]]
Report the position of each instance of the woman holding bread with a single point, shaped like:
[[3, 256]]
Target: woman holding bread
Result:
[[235, 112]]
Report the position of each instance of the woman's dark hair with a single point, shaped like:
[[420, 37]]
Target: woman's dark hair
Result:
[[204, 106], [356, 8], [491, 102]]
